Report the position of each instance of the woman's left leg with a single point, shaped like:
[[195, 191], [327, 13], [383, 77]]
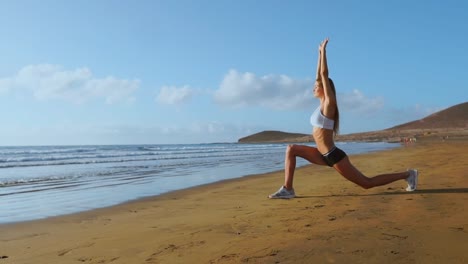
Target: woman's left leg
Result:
[[311, 154], [347, 170]]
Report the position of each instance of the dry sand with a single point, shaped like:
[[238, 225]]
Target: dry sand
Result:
[[333, 220]]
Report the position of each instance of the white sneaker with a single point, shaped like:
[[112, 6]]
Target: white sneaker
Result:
[[412, 180], [283, 193]]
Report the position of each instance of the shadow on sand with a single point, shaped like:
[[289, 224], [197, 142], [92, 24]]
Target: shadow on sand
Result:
[[419, 191]]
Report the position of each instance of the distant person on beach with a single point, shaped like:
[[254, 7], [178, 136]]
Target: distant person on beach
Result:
[[325, 121]]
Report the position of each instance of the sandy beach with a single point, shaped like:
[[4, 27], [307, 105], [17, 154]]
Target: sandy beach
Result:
[[332, 220]]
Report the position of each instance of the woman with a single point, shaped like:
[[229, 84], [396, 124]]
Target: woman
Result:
[[325, 121]]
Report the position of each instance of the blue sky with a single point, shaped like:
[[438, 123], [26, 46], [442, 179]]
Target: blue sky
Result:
[[144, 72]]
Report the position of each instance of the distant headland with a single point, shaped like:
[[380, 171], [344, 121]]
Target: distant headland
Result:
[[451, 123]]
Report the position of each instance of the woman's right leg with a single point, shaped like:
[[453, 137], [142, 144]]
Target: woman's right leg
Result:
[[347, 170], [311, 154]]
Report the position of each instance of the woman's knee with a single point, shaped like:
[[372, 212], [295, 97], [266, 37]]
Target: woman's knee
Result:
[[366, 183], [347, 170], [290, 149]]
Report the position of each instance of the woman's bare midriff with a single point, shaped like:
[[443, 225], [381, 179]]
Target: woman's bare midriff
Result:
[[323, 139]]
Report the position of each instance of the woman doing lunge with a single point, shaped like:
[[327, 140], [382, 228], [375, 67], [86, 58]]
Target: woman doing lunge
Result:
[[325, 122]]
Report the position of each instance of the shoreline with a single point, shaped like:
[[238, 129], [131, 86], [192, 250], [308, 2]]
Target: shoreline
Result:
[[232, 221], [24, 203]]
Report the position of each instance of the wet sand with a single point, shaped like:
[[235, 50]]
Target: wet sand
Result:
[[332, 220]]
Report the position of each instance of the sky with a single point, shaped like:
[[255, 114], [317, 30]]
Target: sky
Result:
[[177, 72]]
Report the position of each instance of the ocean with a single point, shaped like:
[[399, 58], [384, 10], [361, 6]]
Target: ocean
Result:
[[44, 181]]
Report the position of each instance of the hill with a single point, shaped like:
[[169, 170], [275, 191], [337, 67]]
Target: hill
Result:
[[453, 117], [271, 136], [449, 123]]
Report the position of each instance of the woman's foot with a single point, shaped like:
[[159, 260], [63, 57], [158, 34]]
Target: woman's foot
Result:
[[283, 193], [412, 180]]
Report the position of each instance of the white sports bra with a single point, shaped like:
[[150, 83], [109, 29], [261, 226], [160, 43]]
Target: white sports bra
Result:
[[317, 119]]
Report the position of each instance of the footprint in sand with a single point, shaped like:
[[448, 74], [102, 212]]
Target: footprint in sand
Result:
[[171, 248], [63, 252], [97, 259], [227, 257], [391, 236], [458, 229], [272, 253]]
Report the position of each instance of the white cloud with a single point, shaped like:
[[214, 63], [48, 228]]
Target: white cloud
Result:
[[278, 92], [174, 95], [212, 127], [423, 112], [357, 102], [5, 86], [48, 81]]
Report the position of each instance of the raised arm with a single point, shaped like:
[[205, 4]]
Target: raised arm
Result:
[[330, 97], [317, 77]]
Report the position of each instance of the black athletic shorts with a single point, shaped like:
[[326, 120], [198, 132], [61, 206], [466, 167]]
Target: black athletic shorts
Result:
[[333, 156]]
